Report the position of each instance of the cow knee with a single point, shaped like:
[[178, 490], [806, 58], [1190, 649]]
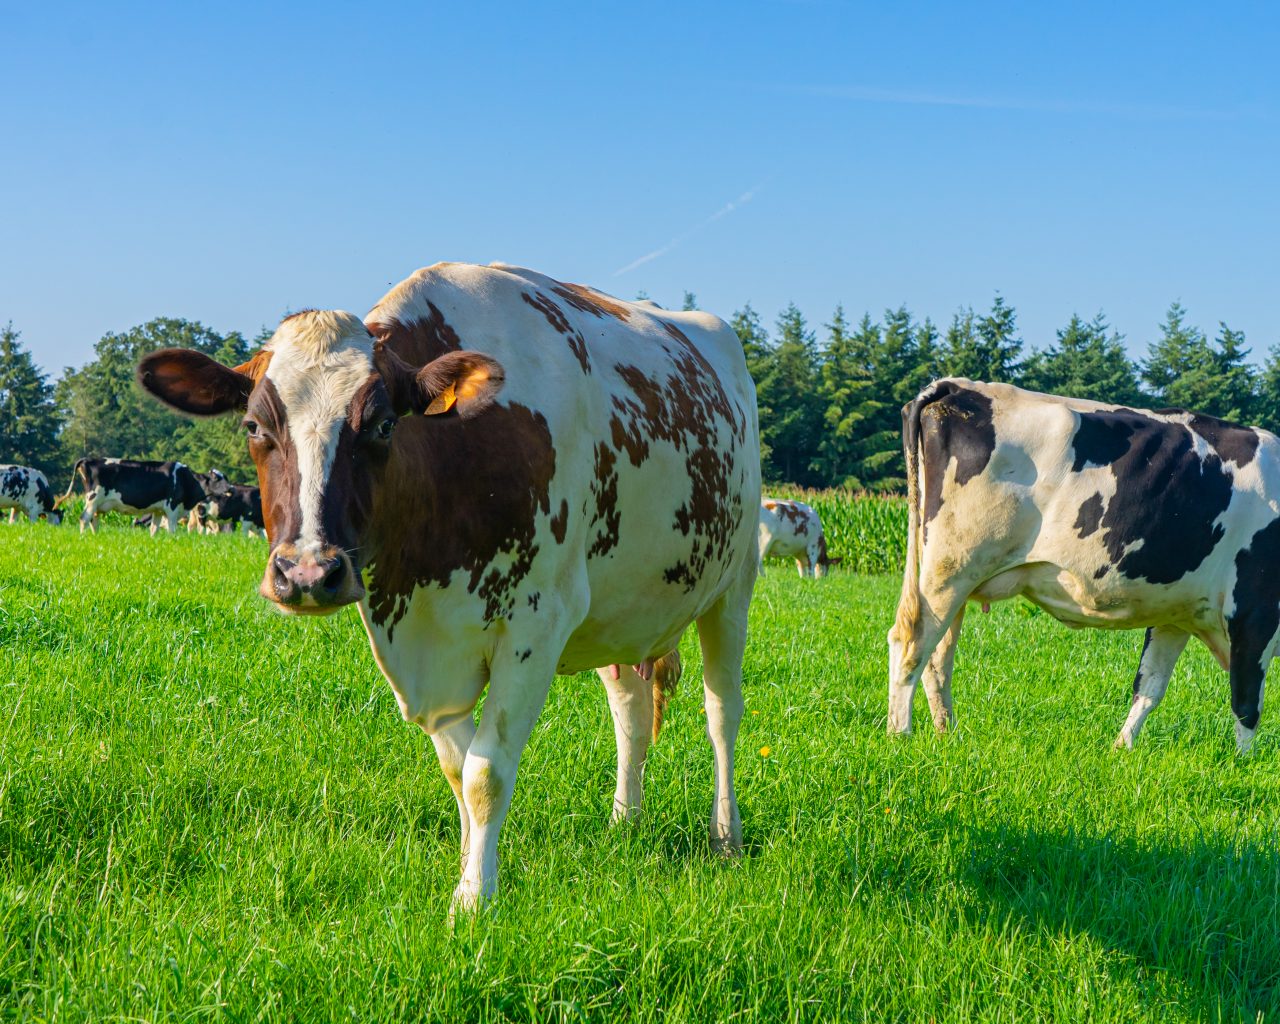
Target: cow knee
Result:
[[484, 789]]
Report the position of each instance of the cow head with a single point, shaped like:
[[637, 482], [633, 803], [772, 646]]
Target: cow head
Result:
[[320, 404]]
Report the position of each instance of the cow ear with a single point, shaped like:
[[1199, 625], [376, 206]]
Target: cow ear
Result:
[[460, 383], [191, 382]]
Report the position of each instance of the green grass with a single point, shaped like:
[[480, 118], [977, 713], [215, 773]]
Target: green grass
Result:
[[208, 811]]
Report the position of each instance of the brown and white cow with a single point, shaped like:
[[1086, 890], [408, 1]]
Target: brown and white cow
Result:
[[579, 485], [1102, 515], [791, 529]]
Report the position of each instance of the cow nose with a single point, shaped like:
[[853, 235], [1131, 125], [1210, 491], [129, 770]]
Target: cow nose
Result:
[[319, 578]]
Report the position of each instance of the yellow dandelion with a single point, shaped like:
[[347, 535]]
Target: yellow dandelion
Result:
[[766, 751], [888, 810], [755, 712], [702, 711]]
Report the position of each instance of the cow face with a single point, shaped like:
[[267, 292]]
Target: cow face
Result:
[[320, 404]]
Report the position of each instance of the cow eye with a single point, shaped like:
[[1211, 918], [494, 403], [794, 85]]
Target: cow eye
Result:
[[251, 428], [386, 426]]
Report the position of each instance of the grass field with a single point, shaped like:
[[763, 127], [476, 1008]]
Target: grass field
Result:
[[208, 811]]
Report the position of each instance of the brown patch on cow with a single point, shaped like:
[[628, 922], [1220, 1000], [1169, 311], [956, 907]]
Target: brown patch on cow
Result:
[[476, 486], [686, 410], [588, 300], [556, 318], [419, 341], [795, 515], [276, 460], [604, 485], [560, 522]]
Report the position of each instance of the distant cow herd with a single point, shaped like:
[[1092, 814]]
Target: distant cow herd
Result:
[[161, 493], [513, 477]]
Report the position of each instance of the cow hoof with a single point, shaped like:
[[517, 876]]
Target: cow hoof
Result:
[[727, 846], [623, 815], [1244, 739], [468, 900], [1123, 742]]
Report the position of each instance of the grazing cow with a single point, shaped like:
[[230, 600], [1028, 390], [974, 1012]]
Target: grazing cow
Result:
[[169, 490], [791, 529], [241, 505], [1102, 515], [25, 489], [579, 485]]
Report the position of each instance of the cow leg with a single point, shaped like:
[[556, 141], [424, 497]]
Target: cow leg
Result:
[[517, 693], [937, 676], [912, 642], [1250, 654], [1160, 651], [451, 746], [13, 516], [722, 633], [631, 704], [803, 567], [170, 522]]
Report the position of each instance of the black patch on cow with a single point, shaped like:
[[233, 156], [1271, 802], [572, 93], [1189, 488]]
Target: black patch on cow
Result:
[[1166, 496], [1137, 678], [13, 482], [1090, 515], [526, 654], [956, 423], [1254, 621], [1101, 438], [1232, 443], [534, 598]]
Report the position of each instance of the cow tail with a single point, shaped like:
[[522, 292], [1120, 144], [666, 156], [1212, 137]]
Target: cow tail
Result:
[[666, 674], [71, 486], [909, 602]]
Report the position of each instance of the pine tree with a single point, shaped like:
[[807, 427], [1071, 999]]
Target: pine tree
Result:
[[689, 302], [28, 417], [984, 347], [1086, 362], [846, 391], [791, 417], [1267, 407], [1181, 351]]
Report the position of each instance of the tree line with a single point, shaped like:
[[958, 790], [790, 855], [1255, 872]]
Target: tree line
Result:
[[829, 405]]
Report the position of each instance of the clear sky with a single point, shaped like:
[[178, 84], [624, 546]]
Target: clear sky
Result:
[[229, 162]]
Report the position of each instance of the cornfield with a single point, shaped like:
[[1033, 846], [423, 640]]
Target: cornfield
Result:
[[868, 531]]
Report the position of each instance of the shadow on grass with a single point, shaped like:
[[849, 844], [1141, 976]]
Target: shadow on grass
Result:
[[1205, 916]]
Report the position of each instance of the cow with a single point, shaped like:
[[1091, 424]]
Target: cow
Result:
[[26, 490], [169, 490], [791, 529], [1104, 516], [241, 505], [576, 485]]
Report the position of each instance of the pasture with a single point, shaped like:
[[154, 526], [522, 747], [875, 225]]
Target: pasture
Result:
[[208, 811]]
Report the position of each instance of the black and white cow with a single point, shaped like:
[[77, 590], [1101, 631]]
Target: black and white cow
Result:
[[26, 490], [1102, 515], [168, 490], [242, 505]]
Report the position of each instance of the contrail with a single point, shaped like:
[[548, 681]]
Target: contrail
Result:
[[724, 211], [868, 94]]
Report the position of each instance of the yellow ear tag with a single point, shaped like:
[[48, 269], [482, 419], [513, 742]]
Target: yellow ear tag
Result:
[[442, 402]]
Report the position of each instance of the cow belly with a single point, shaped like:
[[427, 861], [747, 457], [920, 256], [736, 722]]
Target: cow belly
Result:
[[1078, 600], [112, 501]]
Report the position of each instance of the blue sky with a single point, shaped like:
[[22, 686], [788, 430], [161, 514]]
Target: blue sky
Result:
[[230, 162]]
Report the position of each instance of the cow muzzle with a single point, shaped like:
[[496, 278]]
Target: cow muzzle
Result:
[[310, 582]]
